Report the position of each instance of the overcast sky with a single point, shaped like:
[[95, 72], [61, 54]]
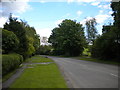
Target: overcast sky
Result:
[[45, 15]]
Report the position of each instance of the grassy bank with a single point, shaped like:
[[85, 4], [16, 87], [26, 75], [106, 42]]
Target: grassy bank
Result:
[[40, 75]]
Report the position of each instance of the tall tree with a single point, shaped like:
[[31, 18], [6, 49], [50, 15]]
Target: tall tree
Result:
[[91, 30], [29, 40], [18, 29], [116, 14], [107, 46], [68, 38]]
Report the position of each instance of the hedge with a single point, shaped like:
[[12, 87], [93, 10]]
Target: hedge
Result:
[[10, 62]]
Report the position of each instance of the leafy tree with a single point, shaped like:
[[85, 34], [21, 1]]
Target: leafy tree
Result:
[[10, 41], [19, 29], [107, 46], [116, 14], [68, 38], [91, 30], [33, 38], [29, 40]]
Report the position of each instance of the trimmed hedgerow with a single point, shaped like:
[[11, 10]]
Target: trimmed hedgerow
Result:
[[10, 62]]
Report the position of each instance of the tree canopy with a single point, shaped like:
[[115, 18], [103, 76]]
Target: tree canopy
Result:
[[29, 41], [107, 46], [68, 38]]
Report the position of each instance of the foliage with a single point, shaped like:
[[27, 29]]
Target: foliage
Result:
[[91, 30], [33, 37], [29, 40], [68, 38], [10, 62], [86, 52], [10, 41], [18, 28], [44, 50], [107, 46], [116, 14]]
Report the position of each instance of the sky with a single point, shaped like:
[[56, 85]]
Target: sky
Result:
[[45, 15]]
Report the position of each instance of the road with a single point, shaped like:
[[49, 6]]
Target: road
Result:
[[86, 74]]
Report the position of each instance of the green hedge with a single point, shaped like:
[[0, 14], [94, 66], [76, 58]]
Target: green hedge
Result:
[[10, 62]]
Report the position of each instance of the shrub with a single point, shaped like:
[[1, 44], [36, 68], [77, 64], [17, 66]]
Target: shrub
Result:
[[10, 41], [10, 62]]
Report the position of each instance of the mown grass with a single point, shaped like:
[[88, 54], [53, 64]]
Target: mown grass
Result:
[[38, 59], [40, 76], [97, 60]]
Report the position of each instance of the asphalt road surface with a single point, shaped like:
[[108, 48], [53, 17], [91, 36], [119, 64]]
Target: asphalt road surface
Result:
[[86, 74]]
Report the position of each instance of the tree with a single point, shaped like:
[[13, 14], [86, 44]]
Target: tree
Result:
[[33, 39], [29, 40], [18, 29], [44, 50], [68, 38], [116, 14], [107, 46], [10, 41], [91, 30]]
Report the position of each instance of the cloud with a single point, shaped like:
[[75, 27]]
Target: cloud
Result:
[[95, 3], [84, 20], [87, 1], [69, 1], [101, 11], [58, 21], [79, 13], [101, 18], [42, 1], [14, 7], [107, 6], [110, 12], [18, 6], [44, 32], [2, 21]]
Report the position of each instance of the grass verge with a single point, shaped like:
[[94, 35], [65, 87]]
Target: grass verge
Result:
[[38, 59], [40, 76], [97, 60]]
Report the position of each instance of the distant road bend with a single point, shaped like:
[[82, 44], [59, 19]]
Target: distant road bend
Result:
[[86, 74]]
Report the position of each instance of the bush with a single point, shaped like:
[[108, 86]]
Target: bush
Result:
[[10, 41], [10, 62]]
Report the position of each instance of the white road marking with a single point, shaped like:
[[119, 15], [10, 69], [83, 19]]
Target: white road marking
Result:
[[113, 75]]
